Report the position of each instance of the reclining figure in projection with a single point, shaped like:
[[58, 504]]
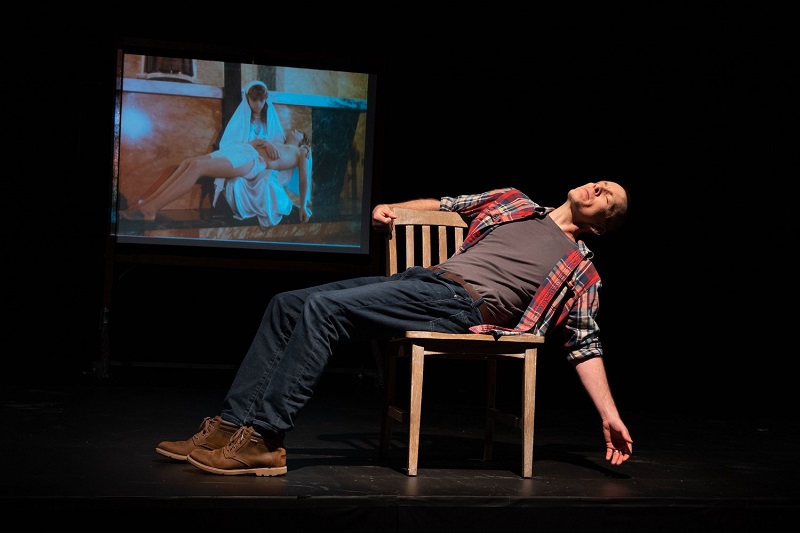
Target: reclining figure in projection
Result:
[[247, 160]]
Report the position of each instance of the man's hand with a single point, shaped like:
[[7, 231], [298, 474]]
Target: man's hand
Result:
[[619, 444], [267, 147], [383, 218]]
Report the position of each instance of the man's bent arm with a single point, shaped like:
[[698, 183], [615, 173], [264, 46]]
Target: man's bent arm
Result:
[[383, 214]]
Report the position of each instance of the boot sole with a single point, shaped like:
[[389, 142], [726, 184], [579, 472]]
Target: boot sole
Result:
[[172, 455], [266, 471]]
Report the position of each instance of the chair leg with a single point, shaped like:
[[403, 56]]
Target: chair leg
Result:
[[415, 407], [491, 404], [528, 403]]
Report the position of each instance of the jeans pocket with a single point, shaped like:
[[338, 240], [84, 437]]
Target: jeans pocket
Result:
[[460, 314]]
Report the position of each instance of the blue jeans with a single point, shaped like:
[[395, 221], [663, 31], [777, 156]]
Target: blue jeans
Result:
[[300, 329]]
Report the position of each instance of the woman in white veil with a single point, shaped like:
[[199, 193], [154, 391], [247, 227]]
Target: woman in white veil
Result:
[[264, 196]]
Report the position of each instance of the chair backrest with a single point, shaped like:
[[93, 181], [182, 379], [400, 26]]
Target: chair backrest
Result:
[[423, 238]]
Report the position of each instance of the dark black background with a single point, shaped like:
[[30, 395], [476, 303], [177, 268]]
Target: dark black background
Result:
[[688, 107]]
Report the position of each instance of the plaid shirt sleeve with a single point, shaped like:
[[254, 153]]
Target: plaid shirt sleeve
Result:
[[582, 334]]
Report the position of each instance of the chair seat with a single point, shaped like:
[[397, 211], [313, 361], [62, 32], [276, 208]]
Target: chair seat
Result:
[[471, 345]]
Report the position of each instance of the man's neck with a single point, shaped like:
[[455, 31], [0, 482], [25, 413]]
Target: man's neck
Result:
[[562, 216]]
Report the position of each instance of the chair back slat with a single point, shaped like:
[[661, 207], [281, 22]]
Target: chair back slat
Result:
[[409, 246], [423, 238]]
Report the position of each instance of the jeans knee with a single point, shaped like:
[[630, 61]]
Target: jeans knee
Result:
[[282, 299], [284, 307], [317, 304]]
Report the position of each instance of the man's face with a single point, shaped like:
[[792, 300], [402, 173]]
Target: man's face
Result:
[[597, 201]]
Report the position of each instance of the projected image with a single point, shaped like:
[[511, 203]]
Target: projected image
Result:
[[212, 153]]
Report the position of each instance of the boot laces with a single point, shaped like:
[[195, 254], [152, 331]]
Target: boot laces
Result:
[[239, 438], [207, 426]]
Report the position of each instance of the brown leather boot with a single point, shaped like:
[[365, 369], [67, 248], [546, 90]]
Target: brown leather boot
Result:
[[245, 453], [214, 433]]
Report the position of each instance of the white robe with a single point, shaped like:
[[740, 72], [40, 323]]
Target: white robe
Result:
[[265, 196]]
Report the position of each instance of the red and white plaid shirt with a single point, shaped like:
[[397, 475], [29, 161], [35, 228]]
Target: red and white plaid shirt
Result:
[[568, 297]]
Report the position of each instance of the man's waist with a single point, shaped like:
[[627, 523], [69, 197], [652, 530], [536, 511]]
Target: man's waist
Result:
[[483, 307]]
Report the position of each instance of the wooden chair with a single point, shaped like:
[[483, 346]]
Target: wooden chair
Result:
[[425, 238]]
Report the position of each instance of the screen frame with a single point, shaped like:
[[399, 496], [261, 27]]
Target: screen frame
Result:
[[296, 247]]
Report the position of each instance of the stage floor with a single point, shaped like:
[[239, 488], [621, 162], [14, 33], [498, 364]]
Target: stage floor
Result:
[[78, 449]]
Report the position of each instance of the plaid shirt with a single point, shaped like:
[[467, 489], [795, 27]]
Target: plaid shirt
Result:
[[569, 294]]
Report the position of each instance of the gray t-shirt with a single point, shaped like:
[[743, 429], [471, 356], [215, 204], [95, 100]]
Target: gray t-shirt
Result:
[[510, 263]]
